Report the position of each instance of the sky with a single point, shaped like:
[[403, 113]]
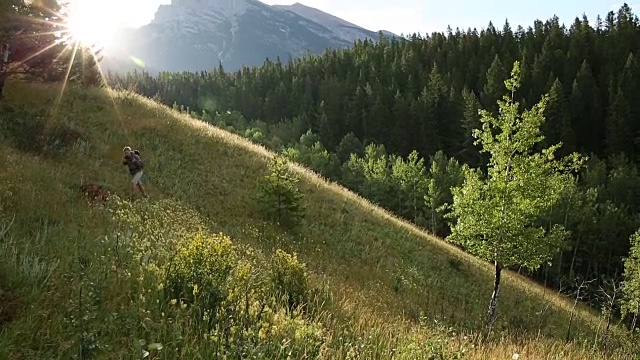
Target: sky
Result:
[[426, 16]]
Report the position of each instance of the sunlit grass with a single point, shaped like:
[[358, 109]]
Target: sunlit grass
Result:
[[385, 286]]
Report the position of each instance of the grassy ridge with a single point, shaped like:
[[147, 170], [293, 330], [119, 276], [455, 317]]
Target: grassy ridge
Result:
[[382, 286]]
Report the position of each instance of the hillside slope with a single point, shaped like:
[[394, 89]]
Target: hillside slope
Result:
[[375, 276]]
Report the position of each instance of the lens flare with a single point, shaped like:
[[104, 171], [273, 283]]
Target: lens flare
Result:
[[92, 22]]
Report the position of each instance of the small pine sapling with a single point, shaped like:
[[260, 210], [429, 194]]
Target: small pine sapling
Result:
[[279, 196]]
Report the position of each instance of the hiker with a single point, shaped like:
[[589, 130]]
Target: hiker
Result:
[[133, 161]]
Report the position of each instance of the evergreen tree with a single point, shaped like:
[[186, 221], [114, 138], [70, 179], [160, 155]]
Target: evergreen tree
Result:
[[494, 215], [29, 30], [402, 124], [619, 135], [558, 122], [585, 106], [326, 129], [350, 144], [84, 66], [470, 122], [494, 87], [279, 196], [437, 113], [630, 84]]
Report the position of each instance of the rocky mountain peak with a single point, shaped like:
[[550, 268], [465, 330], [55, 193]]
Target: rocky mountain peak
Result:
[[194, 35], [193, 9]]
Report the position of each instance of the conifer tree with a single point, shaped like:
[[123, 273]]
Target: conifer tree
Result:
[[558, 122], [437, 118], [350, 144], [402, 124], [494, 87], [29, 29], [630, 84], [470, 122], [585, 110], [279, 196], [619, 137], [495, 214]]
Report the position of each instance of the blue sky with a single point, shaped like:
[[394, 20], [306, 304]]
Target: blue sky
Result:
[[426, 16]]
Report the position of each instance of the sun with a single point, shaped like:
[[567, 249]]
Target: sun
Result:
[[92, 22]]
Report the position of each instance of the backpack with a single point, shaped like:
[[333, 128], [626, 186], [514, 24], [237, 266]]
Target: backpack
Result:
[[140, 158]]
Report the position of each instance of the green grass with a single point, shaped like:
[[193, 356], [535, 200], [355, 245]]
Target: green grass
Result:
[[90, 281]]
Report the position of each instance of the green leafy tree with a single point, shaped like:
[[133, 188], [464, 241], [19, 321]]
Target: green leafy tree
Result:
[[377, 175], [444, 174], [279, 196], [410, 178], [353, 174], [316, 157], [631, 284], [495, 215]]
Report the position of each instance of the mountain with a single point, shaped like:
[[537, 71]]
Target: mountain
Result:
[[194, 35], [344, 29]]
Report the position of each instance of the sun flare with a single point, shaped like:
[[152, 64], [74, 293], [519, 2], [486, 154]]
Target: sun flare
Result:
[[92, 22]]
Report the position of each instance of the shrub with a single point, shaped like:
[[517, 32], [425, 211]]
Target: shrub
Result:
[[200, 271], [293, 337], [289, 277], [230, 296], [31, 131], [59, 138], [21, 127]]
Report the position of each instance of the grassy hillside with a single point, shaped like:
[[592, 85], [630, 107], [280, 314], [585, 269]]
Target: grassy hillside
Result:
[[84, 280]]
